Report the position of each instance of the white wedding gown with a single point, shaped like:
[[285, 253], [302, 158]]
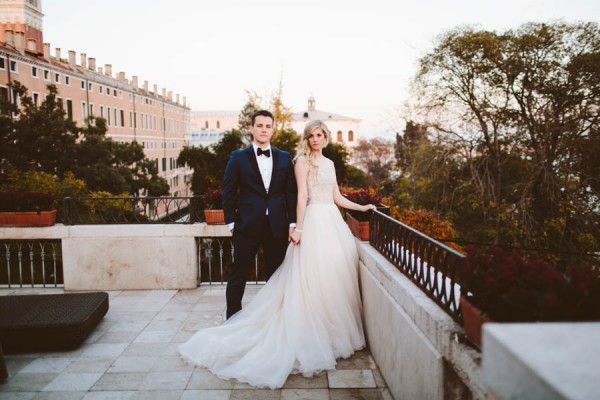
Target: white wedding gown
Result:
[[308, 313]]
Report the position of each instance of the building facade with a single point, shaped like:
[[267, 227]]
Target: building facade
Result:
[[343, 129], [208, 127], [160, 122]]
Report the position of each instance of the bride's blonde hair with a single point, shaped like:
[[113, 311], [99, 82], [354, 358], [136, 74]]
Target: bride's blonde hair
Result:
[[304, 150]]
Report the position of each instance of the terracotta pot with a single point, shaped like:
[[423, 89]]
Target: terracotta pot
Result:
[[360, 229], [214, 216], [28, 218], [473, 320]]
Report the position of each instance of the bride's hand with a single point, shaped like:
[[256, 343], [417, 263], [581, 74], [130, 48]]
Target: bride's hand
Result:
[[369, 207], [296, 236]]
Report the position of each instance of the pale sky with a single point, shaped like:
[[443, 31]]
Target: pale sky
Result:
[[355, 57]]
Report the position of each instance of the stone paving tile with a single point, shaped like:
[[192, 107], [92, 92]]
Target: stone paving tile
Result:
[[119, 381], [144, 349], [104, 350], [133, 364], [109, 395], [355, 394], [359, 360], [351, 378], [27, 382], [204, 379], [68, 381], [379, 381], [90, 365], [262, 394], [297, 381], [156, 395], [16, 363], [172, 363], [117, 337], [60, 395], [42, 365], [206, 395], [18, 395], [166, 380], [304, 394]]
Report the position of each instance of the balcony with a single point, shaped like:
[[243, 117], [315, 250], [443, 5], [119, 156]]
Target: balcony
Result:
[[164, 282]]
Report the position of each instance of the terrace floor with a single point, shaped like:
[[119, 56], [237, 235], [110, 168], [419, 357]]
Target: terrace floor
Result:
[[132, 354]]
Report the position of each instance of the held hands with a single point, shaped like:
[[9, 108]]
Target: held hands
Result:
[[295, 236]]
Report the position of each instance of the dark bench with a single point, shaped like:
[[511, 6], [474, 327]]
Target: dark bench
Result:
[[49, 322]]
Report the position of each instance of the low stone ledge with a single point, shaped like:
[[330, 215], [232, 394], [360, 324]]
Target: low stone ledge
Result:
[[542, 361], [433, 323]]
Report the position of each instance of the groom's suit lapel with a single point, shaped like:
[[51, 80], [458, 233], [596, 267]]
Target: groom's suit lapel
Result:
[[254, 164], [275, 155]]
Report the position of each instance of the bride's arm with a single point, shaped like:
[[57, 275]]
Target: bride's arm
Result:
[[301, 170], [345, 203]]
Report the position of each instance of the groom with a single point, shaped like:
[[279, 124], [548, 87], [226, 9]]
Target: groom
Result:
[[259, 200]]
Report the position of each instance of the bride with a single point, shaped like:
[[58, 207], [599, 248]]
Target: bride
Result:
[[309, 312]]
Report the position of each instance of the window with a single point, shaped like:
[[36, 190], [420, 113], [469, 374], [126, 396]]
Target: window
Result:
[[34, 72], [218, 124], [67, 81], [82, 85], [108, 115], [2, 63], [13, 66], [131, 119], [36, 98], [47, 75], [164, 164], [135, 120], [115, 120], [83, 112], [101, 111], [206, 124], [91, 110], [99, 89], [70, 109], [350, 136], [90, 86], [339, 136], [115, 92], [122, 118], [57, 78], [59, 101]]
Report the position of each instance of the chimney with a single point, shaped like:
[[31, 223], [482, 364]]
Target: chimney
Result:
[[134, 81], [146, 86], [100, 71], [72, 58], [57, 50], [184, 101], [177, 97], [20, 42], [92, 61], [164, 93], [83, 60], [47, 51], [155, 89], [170, 95], [108, 69], [121, 76]]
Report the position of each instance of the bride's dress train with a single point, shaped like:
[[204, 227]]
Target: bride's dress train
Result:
[[307, 315]]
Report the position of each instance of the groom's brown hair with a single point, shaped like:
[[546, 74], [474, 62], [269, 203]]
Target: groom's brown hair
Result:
[[264, 113]]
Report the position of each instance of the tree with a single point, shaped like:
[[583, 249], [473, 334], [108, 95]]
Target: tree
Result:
[[413, 135], [287, 140], [251, 106], [518, 108], [41, 139], [376, 156]]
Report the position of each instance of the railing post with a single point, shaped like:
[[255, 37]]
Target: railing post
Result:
[[195, 209], [67, 207]]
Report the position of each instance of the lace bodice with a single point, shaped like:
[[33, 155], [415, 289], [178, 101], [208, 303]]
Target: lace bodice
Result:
[[321, 182]]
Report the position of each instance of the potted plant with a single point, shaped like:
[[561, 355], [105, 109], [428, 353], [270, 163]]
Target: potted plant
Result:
[[27, 208], [502, 286], [213, 212], [358, 221]]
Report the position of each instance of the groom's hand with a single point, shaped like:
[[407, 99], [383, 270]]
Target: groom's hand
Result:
[[290, 232]]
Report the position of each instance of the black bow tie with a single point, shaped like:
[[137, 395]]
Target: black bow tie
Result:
[[260, 151]]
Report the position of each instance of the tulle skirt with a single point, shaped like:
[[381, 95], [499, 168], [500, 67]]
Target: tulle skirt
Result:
[[307, 315]]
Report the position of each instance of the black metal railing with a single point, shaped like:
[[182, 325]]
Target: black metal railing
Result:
[[31, 263], [215, 256], [430, 264], [132, 210]]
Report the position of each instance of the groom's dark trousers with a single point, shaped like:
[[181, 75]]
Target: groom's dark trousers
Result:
[[261, 217]]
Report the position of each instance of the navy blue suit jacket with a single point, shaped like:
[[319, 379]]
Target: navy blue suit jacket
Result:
[[245, 200]]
